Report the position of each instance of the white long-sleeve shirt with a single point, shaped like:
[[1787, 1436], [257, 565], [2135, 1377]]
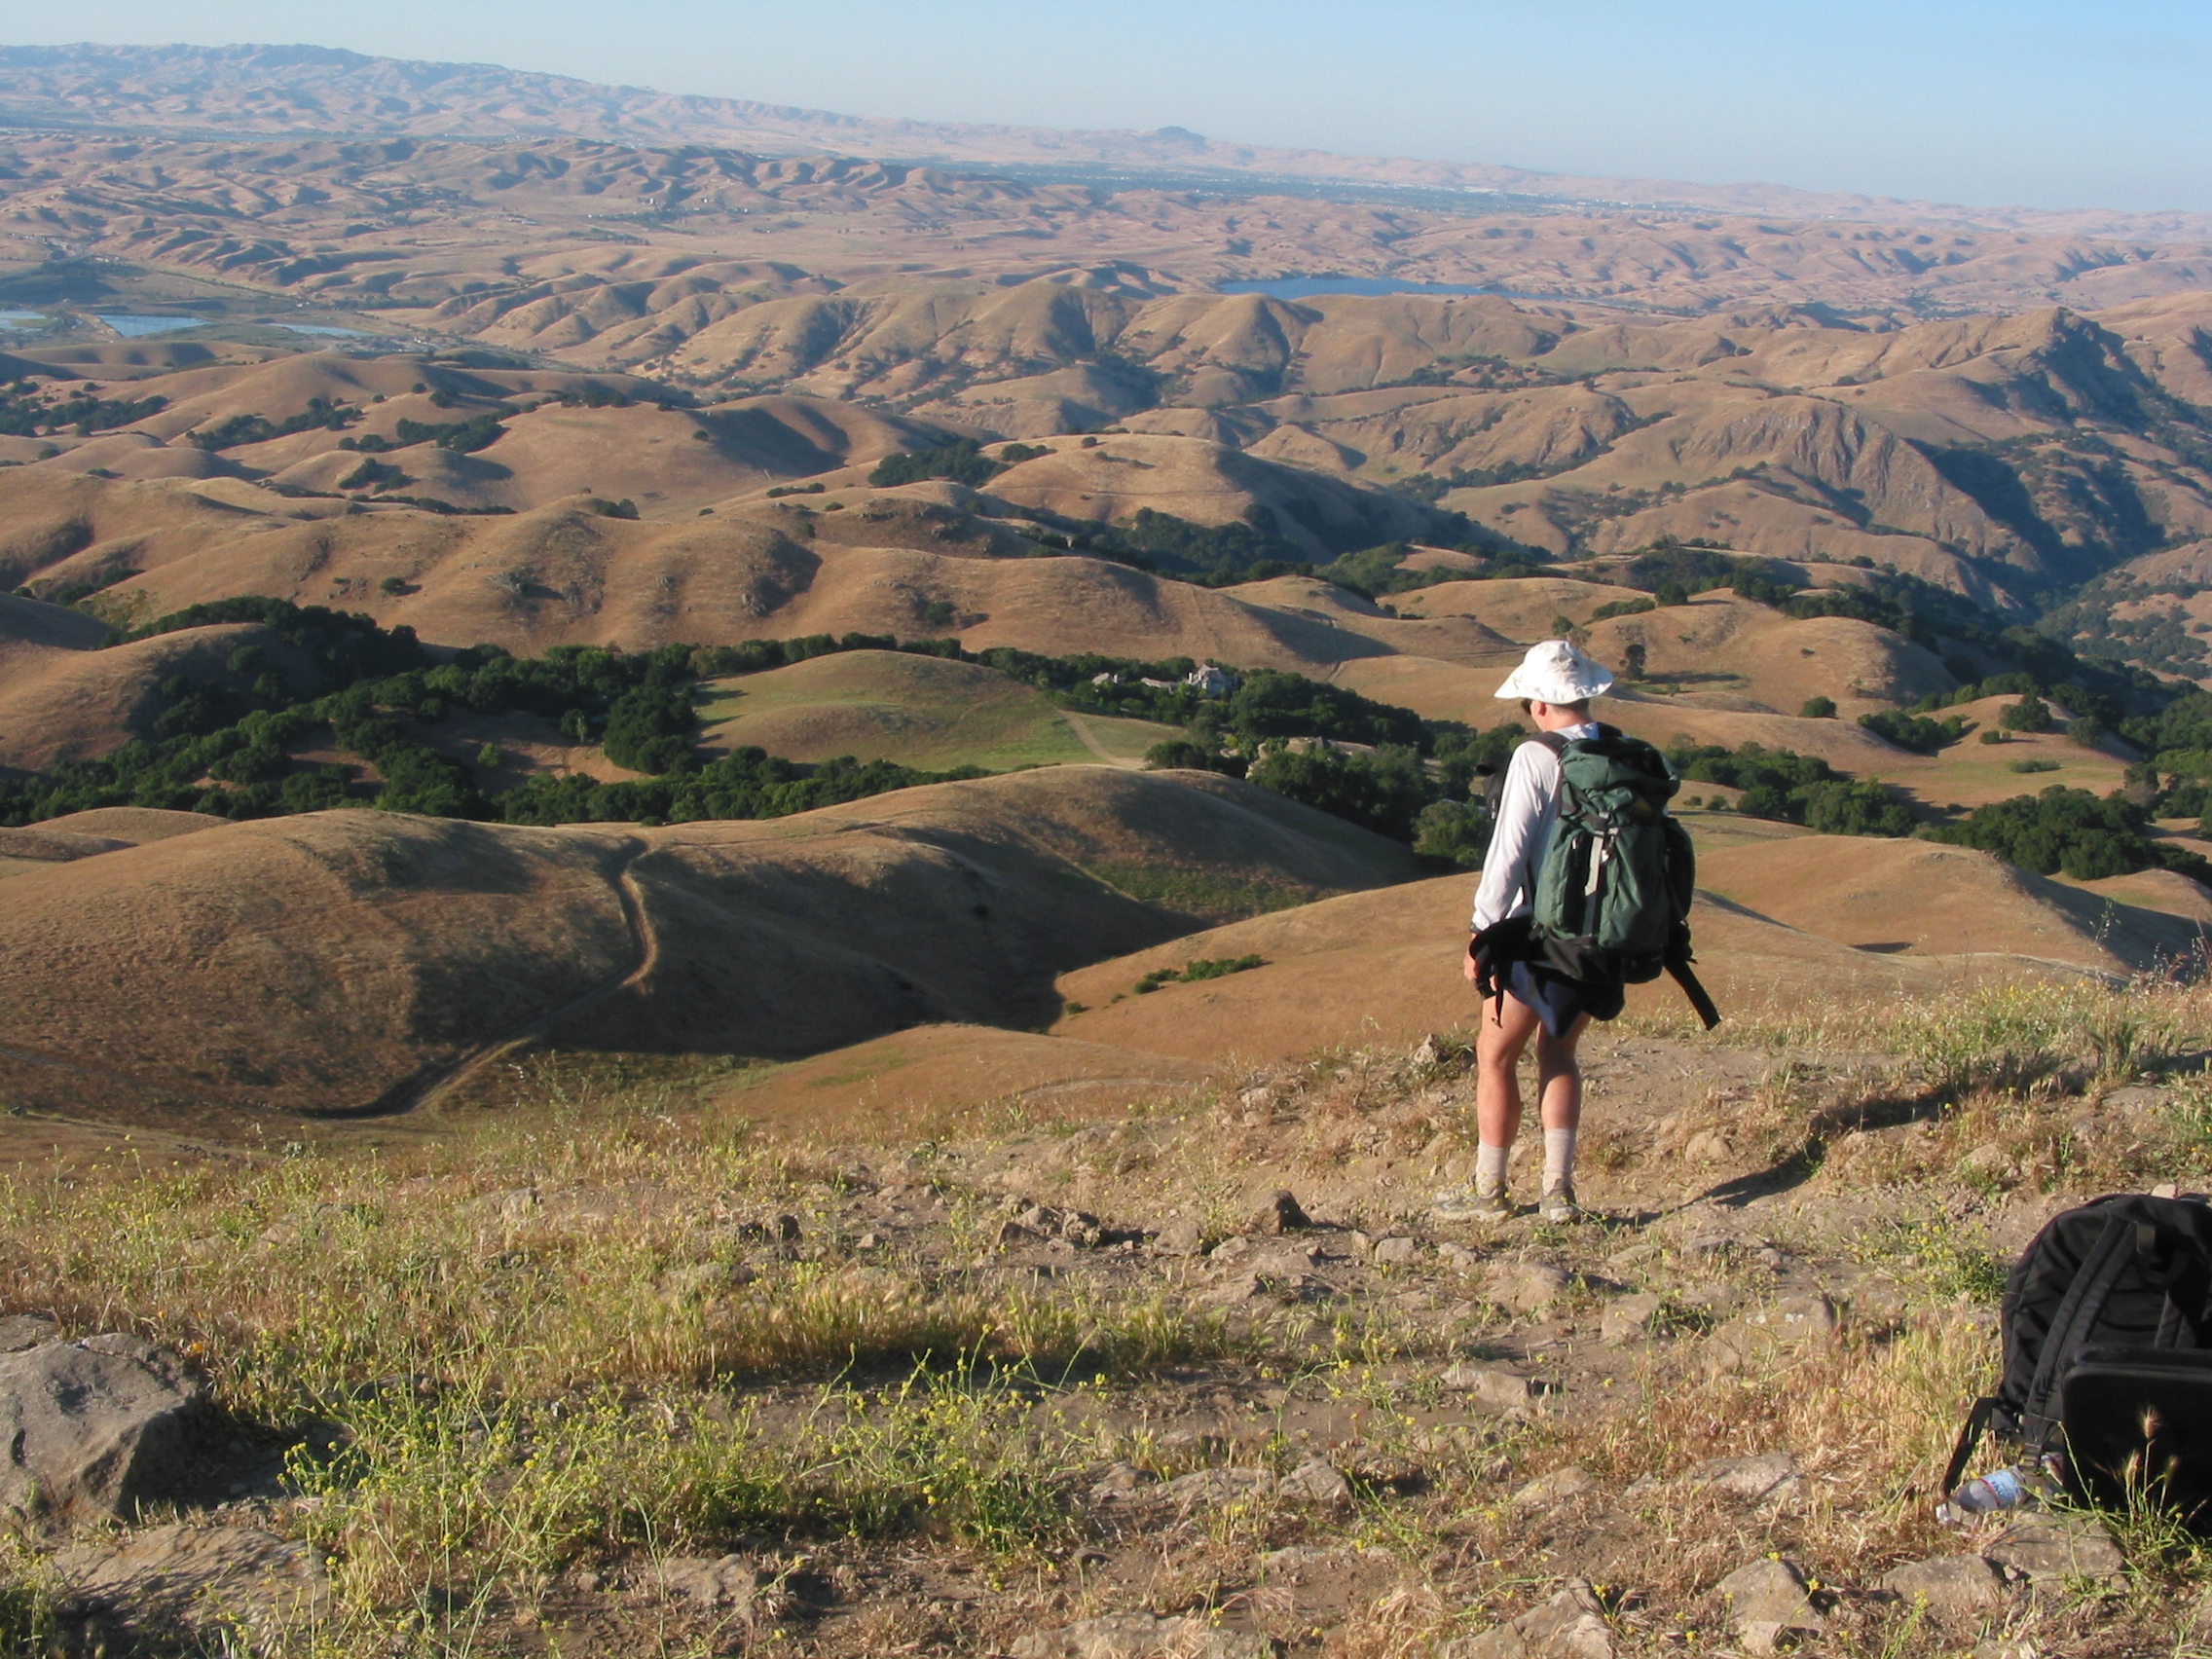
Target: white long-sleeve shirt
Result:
[[1527, 814]]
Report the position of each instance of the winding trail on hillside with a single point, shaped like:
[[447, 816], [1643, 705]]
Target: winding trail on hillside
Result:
[[423, 1093], [1081, 728]]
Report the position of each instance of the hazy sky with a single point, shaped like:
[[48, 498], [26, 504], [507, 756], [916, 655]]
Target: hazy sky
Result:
[[2030, 101]]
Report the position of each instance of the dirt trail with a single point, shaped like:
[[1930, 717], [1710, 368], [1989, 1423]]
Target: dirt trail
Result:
[[1081, 730], [416, 1097]]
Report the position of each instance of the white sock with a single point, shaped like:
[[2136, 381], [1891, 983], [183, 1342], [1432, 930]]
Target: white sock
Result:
[[1559, 1157], [1489, 1167]]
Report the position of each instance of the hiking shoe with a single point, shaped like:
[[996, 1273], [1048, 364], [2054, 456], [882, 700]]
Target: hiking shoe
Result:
[[1559, 1206], [1465, 1203]]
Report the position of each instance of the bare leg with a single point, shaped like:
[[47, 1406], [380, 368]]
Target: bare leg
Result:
[[1559, 1079], [1508, 1023]]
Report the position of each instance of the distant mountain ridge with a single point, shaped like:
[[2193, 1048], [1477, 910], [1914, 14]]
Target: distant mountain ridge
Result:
[[254, 90]]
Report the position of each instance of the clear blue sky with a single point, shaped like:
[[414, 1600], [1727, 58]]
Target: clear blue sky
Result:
[[2032, 101]]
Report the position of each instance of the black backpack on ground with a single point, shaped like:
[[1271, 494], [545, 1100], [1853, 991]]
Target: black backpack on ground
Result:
[[2107, 1325]]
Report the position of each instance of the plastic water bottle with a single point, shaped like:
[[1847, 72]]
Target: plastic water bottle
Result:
[[1999, 1489]]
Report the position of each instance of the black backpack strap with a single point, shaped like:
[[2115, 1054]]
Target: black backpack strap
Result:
[[1494, 952], [1700, 1002], [1678, 965], [2070, 1327], [1977, 1423], [2189, 1291]]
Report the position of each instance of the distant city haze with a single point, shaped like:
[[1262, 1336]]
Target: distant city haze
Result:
[[2031, 103]]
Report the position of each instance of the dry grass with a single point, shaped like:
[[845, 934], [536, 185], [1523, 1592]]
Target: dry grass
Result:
[[519, 1352]]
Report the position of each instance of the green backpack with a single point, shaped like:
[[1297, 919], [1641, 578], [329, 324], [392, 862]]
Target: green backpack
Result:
[[1613, 894]]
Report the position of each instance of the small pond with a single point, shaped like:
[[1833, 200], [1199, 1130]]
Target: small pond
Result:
[[131, 327]]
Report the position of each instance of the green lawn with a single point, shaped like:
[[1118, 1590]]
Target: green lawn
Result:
[[918, 711]]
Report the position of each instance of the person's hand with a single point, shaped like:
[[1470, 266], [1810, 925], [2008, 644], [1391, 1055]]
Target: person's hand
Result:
[[1467, 967]]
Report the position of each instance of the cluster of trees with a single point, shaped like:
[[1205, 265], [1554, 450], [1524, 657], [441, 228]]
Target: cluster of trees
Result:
[[22, 415], [1796, 789], [216, 748], [962, 460], [1916, 732], [462, 437], [748, 783], [2072, 831], [592, 395], [225, 746], [2161, 640], [219, 749], [1250, 549], [237, 429]]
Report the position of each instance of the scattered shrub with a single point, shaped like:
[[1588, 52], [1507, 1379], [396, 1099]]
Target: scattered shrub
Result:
[[962, 460], [1916, 732]]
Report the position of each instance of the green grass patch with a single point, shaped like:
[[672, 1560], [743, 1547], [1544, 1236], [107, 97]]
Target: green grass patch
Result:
[[1939, 1256], [1202, 895], [919, 711], [1204, 968]]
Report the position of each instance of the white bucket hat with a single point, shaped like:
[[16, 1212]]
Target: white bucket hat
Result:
[[1555, 671]]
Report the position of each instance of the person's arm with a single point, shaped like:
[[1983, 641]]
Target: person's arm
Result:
[[1523, 809]]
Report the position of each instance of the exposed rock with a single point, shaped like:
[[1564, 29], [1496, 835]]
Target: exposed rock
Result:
[[2042, 1545], [93, 1428], [1558, 1486], [730, 1582], [1236, 1288], [1709, 1147], [1525, 1287], [1119, 1484], [2138, 1097], [1631, 1318], [1768, 1478], [1316, 1480], [1142, 1636], [1989, 1161], [513, 1206], [161, 1578], [1217, 1486], [1397, 1251], [1957, 1589], [1279, 1214], [23, 1331], [1572, 1625], [1182, 1236], [1460, 1258], [1489, 1384], [1768, 1603], [1790, 1321], [1049, 1221], [1295, 1561]]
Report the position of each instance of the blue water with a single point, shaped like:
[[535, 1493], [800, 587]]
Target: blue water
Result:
[[131, 327], [325, 328], [1303, 287], [21, 319]]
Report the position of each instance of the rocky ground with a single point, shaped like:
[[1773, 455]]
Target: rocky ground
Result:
[[1201, 1381]]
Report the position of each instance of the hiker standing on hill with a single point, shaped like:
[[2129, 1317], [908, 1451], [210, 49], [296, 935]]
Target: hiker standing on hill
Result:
[[1558, 938]]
